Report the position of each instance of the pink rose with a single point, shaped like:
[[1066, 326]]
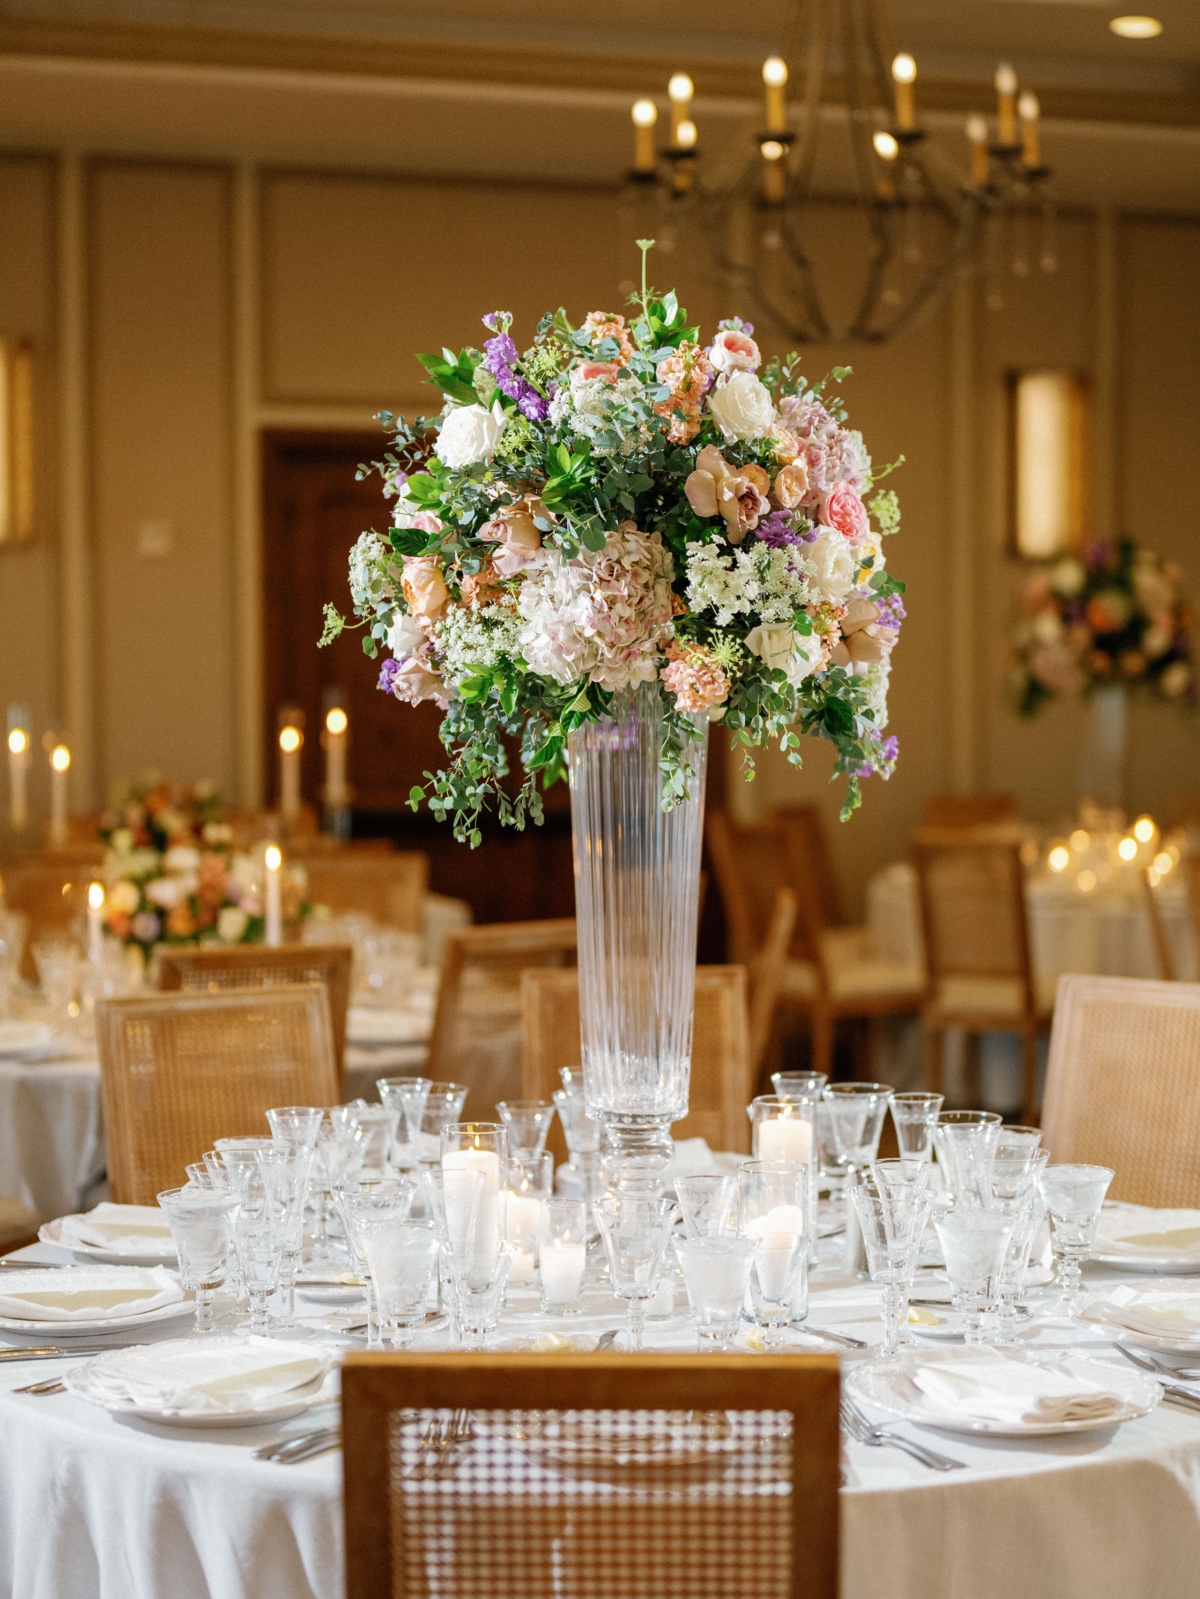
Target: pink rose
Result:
[[414, 680], [843, 510], [424, 586], [791, 485], [595, 369], [734, 352]]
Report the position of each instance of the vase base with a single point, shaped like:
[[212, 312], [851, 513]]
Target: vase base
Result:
[[635, 1156]]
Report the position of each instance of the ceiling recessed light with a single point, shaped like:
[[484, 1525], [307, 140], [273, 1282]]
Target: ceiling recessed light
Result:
[[1136, 27]]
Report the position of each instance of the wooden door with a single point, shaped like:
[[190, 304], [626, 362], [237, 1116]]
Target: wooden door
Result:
[[313, 511]]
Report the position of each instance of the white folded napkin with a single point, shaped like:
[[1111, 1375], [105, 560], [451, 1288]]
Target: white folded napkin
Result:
[[91, 1293], [122, 1229], [995, 1388], [225, 1374], [1135, 1230], [693, 1158], [1161, 1312]]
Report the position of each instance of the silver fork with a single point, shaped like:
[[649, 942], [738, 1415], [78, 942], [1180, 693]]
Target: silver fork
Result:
[[50, 1385], [865, 1432], [435, 1440], [284, 1449], [1166, 1375], [460, 1435]]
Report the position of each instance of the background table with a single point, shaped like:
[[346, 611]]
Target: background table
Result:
[[51, 1132], [93, 1506]]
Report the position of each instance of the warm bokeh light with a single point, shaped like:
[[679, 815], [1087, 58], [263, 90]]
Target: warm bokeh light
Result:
[[645, 113], [775, 72], [680, 88], [685, 135], [1127, 848], [1163, 864], [771, 149], [1029, 107], [1080, 839], [885, 146], [95, 896], [1006, 79], [1136, 27], [1059, 858], [977, 129], [290, 739], [904, 68], [60, 758], [1086, 881], [273, 857], [336, 720], [1144, 829], [18, 741]]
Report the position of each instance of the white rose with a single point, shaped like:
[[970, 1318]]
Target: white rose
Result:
[[404, 636], [181, 858], [742, 407], [829, 563], [165, 892], [772, 642], [806, 658], [470, 435], [231, 924]]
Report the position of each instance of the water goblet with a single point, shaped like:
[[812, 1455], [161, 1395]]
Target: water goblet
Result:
[[915, 1116], [798, 1086], [772, 1201], [563, 1256], [974, 1243], [286, 1169], [858, 1111], [635, 1229], [1074, 1196], [339, 1155], [479, 1293], [527, 1122], [401, 1257], [200, 1221], [406, 1098], [1014, 1274], [582, 1170], [966, 1146], [1014, 1138], [372, 1199], [259, 1240], [707, 1204], [443, 1106], [716, 1274], [892, 1204], [297, 1125], [833, 1171]]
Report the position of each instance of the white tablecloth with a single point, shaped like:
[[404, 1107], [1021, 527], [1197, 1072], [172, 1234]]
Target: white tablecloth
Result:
[[95, 1508], [51, 1133], [1106, 932]]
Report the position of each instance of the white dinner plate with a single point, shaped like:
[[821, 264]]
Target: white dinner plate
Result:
[[58, 1332], [1119, 1332], [50, 1232], [1172, 1264], [323, 1390], [888, 1385], [1159, 1265]]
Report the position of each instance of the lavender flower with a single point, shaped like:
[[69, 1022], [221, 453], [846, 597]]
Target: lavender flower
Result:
[[500, 356], [777, 531], [386, 673], [882, 755]]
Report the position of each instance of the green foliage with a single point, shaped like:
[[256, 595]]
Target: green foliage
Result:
[[453, 374]]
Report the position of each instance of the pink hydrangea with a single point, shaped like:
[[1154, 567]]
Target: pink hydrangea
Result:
[[833, 454]]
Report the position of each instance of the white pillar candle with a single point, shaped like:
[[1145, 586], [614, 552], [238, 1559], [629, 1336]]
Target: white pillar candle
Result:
[[273, 896], [785, 1138], [780, 1231], [563, 1266], [488, 1214], [18, 786], [337, 736], [60, 765], [524, 1223], [291, 741], [95, 921]]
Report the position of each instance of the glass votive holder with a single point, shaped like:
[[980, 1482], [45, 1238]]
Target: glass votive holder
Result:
[[785, 1130], [529, 1183], [482, 1148], [563, 1254]]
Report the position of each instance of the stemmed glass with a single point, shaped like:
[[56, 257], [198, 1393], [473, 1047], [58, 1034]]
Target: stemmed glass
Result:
[[581, 1132], [857, 1112], [716, 1274], [974, 1243], [892, 1203], [1074, 1197], [707, 1203], [259, 1239], [401, 1256], [405, 1099], [375, 1199], [200, 1220], [1015, 1193], [772, 1199], [443, 1106], [915, 1116], [527, 1121], [296, 1125], [286, 1169], [635, 1229], [966, 1146]]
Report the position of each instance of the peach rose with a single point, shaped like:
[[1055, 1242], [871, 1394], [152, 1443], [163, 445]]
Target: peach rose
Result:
[[732, 351], [787, 446], [716, 489], [843, 510], [480, 588], [415, 680], [424, 586], [791, 485]]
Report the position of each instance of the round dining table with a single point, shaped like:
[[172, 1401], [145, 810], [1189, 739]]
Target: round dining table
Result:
[[93, 1506]]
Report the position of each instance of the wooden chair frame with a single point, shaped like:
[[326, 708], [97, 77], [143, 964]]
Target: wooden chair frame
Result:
[[374, 1387], [256, 1048], [239, 966], [390, 886]]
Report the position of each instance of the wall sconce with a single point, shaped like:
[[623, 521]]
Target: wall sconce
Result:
[[1049, 427], [16, 441]]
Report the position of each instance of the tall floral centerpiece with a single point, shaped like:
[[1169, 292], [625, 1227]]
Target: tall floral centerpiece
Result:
[[604, 542], [1113, 619]]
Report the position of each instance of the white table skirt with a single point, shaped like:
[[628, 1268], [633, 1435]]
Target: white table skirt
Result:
[[96, 1508], [51, 1133]]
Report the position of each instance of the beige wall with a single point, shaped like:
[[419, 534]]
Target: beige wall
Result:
[[344, 276]]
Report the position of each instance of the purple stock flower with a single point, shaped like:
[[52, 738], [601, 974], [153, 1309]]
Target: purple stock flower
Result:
[[891, 610], [777, 531], [882, 755], [387, 673], [500, 355], [494, 319]]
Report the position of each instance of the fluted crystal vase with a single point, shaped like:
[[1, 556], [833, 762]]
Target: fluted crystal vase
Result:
[[637, 881]]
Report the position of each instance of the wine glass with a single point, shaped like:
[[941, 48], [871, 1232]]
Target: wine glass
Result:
[[716, 1274], [635, 1229], [1074, 1196], [892, 1204], [200, 1220], [974, 1243]]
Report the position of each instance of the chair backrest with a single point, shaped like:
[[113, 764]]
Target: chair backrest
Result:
[[51, 894], [388, 887], [973, 911], [721, 1078], [1123, 1085], [1163, 954], [216, 970], [808, 847], [970, 810], [741, 1494], [746, 862], [180, 1070], [766, 976], [476, 1036]]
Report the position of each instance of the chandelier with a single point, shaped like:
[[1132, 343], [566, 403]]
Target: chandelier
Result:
[[920, 216]]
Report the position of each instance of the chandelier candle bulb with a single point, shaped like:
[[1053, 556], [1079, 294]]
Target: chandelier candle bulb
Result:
[[60, 765], [291, 741], [1029, 111], [1006, 103], [680, 89], [337, 725], [95, 921], [775, 77], [645, 115], [18, 783], [904, 73], [273, 896], [977, 133], [773, 172]]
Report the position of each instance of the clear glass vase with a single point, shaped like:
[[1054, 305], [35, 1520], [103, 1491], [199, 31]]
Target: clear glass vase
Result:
[[637, 880]]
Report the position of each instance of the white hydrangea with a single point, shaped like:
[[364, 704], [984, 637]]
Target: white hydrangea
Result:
[[474, 638], [755, 579], [876, 675], [369, 584]]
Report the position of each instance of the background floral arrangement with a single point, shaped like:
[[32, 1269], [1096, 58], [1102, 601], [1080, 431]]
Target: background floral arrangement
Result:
[[155, 814], [1114, 616], [619, 504]]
